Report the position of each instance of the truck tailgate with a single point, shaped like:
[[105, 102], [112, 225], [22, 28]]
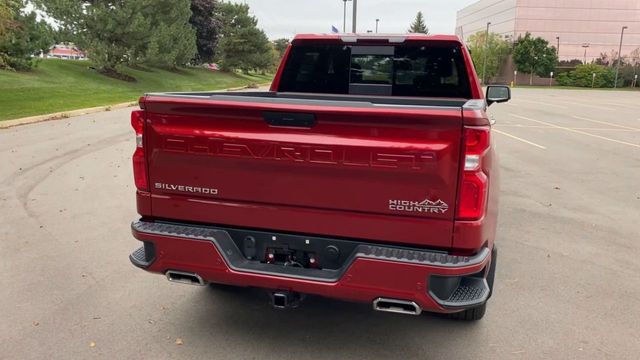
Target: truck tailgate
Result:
[[381, 173]]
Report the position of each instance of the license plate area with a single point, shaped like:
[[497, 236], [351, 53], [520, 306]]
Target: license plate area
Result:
[[293, 250]]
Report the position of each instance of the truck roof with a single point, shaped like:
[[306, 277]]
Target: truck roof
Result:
[[392, 38]]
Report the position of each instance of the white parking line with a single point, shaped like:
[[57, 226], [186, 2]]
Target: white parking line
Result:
[[524, 126], [572, 128], [622, 105], [541, 103], [576, 131], [587, 105], [520, 139], [603, 129], [605, 123]]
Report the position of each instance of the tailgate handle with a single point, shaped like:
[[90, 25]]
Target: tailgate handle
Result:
[[283, 119]]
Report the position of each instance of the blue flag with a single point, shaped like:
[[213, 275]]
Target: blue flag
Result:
[[334, 29]]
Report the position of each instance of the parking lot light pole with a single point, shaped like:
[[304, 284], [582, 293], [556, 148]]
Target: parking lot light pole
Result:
[[355, 16], [344, 19], [486, 50], [558, 48], [615, 84], [585, 46]]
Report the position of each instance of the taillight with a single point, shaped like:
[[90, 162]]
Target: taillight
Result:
[[474, 186], [139, 161]]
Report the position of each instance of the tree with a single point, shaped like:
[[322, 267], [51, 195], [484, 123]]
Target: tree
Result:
[[607, 58], [634, 57], [172, 40], [243, 45], [8, 9], [418, 25], [497, 52], [267, 60], [534, 56], [248, 49], [24, 38], [281, 46], [111, 33], [570, 63], [208, 27], [114, 33], [627, 74]]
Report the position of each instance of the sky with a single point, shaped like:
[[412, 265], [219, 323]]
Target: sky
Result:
[[285, 18]]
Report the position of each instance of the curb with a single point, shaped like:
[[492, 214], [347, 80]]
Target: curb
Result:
[[5, 124], [247, 87], [63, 115], [237, 88]]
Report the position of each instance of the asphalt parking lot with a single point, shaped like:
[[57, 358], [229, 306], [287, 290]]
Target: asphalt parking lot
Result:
[[567, 286]]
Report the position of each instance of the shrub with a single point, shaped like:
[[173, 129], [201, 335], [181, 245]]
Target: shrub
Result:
[[582, 76]]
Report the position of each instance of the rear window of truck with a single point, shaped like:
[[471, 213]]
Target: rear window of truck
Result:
[[413, 71]]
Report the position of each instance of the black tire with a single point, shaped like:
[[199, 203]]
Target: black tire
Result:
[[473, 314], [223, 287], [477, 313], [492, 269]]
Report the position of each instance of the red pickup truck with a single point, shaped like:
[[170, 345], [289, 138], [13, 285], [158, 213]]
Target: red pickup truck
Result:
[[367, 173]]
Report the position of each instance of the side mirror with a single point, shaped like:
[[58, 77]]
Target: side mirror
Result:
[[498, 94]]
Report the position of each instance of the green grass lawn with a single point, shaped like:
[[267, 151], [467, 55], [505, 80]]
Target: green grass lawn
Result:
[[59, 85]]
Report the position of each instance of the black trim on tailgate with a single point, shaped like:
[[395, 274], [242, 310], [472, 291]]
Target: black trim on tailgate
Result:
[[237, 261], [270, 97]]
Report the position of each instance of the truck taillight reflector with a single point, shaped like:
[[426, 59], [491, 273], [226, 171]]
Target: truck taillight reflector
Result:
[[472, 198], [139, 161]]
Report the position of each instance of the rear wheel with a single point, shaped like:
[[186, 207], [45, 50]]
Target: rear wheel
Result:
[[477, 313], [473, 314], [223, 287]]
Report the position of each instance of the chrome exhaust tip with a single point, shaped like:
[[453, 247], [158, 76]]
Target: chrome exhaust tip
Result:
[[185, 278], [396, 306]]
